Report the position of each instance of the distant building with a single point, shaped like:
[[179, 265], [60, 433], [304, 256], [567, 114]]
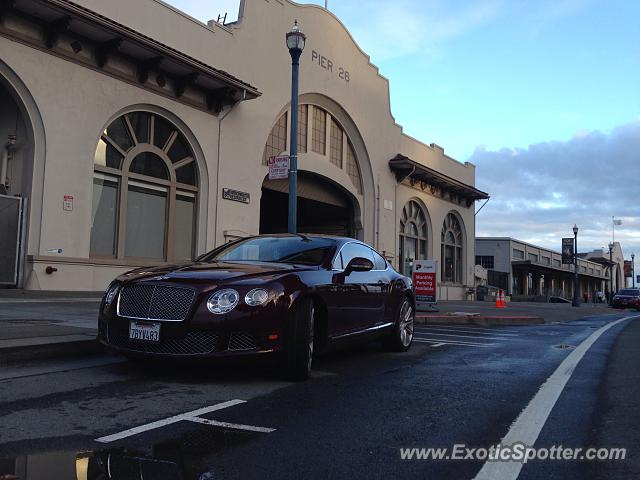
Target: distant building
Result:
[[528, 271], [601, 256]]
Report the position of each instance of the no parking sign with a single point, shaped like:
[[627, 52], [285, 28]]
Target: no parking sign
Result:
[[424, 281]]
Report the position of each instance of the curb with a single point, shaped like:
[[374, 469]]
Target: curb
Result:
[[44, 348], [485, 320]]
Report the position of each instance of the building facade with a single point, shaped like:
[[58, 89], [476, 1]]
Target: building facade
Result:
[[137, 135], [530, 272]]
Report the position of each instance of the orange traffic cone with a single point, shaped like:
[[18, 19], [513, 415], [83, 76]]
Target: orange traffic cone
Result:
[[499, 299]]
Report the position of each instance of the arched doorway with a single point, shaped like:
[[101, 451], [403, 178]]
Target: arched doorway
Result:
[[17, 147], [323, 207], [330, 146]]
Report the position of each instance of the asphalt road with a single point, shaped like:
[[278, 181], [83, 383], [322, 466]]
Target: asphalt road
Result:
[[458, 385]]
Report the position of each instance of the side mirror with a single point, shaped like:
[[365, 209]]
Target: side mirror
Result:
[[358, 264]]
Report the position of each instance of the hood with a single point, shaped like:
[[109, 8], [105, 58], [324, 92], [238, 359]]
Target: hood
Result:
[[214, 272]]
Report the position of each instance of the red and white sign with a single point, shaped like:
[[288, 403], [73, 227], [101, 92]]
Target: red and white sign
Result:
[[278, 167], [67, 203], [424, 280]]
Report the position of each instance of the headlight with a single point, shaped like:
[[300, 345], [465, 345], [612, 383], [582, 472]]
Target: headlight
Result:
[[223, 301], [256, 297], [111, 294]]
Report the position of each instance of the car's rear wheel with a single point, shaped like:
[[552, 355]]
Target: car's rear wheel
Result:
[[299, 352], [402, 335]]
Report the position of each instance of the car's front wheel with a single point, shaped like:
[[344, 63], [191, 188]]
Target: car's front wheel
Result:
[[299, 351], [402, 335]]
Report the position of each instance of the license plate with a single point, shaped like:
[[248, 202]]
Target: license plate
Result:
[[144, 331]]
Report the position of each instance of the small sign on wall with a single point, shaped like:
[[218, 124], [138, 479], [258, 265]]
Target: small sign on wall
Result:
[[67, 203], [235, 195]]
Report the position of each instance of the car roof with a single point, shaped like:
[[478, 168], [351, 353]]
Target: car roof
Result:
[[336, 238]]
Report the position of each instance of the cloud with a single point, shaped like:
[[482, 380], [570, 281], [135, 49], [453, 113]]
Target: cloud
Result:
[[393, 30], [539, 192]]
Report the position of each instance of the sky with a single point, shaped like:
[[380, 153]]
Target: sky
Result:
[[542, 96]]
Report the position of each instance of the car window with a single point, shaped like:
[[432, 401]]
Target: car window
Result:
[[630, 292], [378, 261], [353, 250], [307, 251]]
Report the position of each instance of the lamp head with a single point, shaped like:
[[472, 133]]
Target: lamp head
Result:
[[295, 38], [575, 229]]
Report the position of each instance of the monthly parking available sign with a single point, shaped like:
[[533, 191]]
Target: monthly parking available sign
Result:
[[424, 280]]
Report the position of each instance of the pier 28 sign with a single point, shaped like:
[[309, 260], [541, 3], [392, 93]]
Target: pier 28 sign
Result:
[[328, 64]]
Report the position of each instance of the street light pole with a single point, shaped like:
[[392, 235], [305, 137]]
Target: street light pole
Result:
[[633, 270], [295, 44], [576, 282], [610, 273]]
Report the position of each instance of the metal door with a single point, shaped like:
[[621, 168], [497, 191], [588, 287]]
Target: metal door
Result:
[[10, 239]]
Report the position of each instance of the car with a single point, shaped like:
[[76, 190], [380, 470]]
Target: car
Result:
[[289, 295], [627, 298]]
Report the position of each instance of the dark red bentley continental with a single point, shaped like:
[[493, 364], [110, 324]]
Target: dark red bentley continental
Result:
[[281, 294]]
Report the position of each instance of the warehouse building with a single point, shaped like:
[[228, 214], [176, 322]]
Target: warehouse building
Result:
[[134, 135], [530, 272]]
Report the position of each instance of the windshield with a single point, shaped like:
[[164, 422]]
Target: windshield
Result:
[[629, 291], [299, 250]]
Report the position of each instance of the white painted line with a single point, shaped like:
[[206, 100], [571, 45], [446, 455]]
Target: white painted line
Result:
[[436, 345], [466, 327], [464, 344], [529, 423], [462, 336], [236, 426], [167, 421], [444, 329]]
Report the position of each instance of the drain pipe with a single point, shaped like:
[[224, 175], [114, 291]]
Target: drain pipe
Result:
[[215, 238], [9, 147]]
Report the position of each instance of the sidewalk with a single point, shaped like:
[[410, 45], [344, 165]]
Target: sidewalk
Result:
[[38, 325]]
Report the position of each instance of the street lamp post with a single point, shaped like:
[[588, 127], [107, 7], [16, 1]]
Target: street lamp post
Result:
[[633, 270], [576, 282], [295, 44], [610, 273]]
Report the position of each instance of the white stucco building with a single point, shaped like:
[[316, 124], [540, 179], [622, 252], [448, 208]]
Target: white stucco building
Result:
[[137, 135]]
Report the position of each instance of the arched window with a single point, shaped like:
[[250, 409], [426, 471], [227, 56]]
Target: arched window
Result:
[[413, 236], [319, 125], [451, 253], [144, 191]]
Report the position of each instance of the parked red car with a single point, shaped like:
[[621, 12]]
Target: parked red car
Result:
[[627, 298], [283, 294]]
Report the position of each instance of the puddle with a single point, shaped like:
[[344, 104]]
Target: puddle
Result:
[[180, 458]]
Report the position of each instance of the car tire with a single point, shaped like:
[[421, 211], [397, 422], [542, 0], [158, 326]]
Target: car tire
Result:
[[402, 335], [299, 351]]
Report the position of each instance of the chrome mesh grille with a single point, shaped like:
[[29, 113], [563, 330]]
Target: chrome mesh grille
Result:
[[155, 302], [242, 341], [192, 343]]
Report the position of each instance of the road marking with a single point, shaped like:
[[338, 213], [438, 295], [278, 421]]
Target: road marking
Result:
[[463, 336], [448, 342], [167, 421], [236, 426], [529, 423], [465, 327], [439, 329], [436, 345]]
